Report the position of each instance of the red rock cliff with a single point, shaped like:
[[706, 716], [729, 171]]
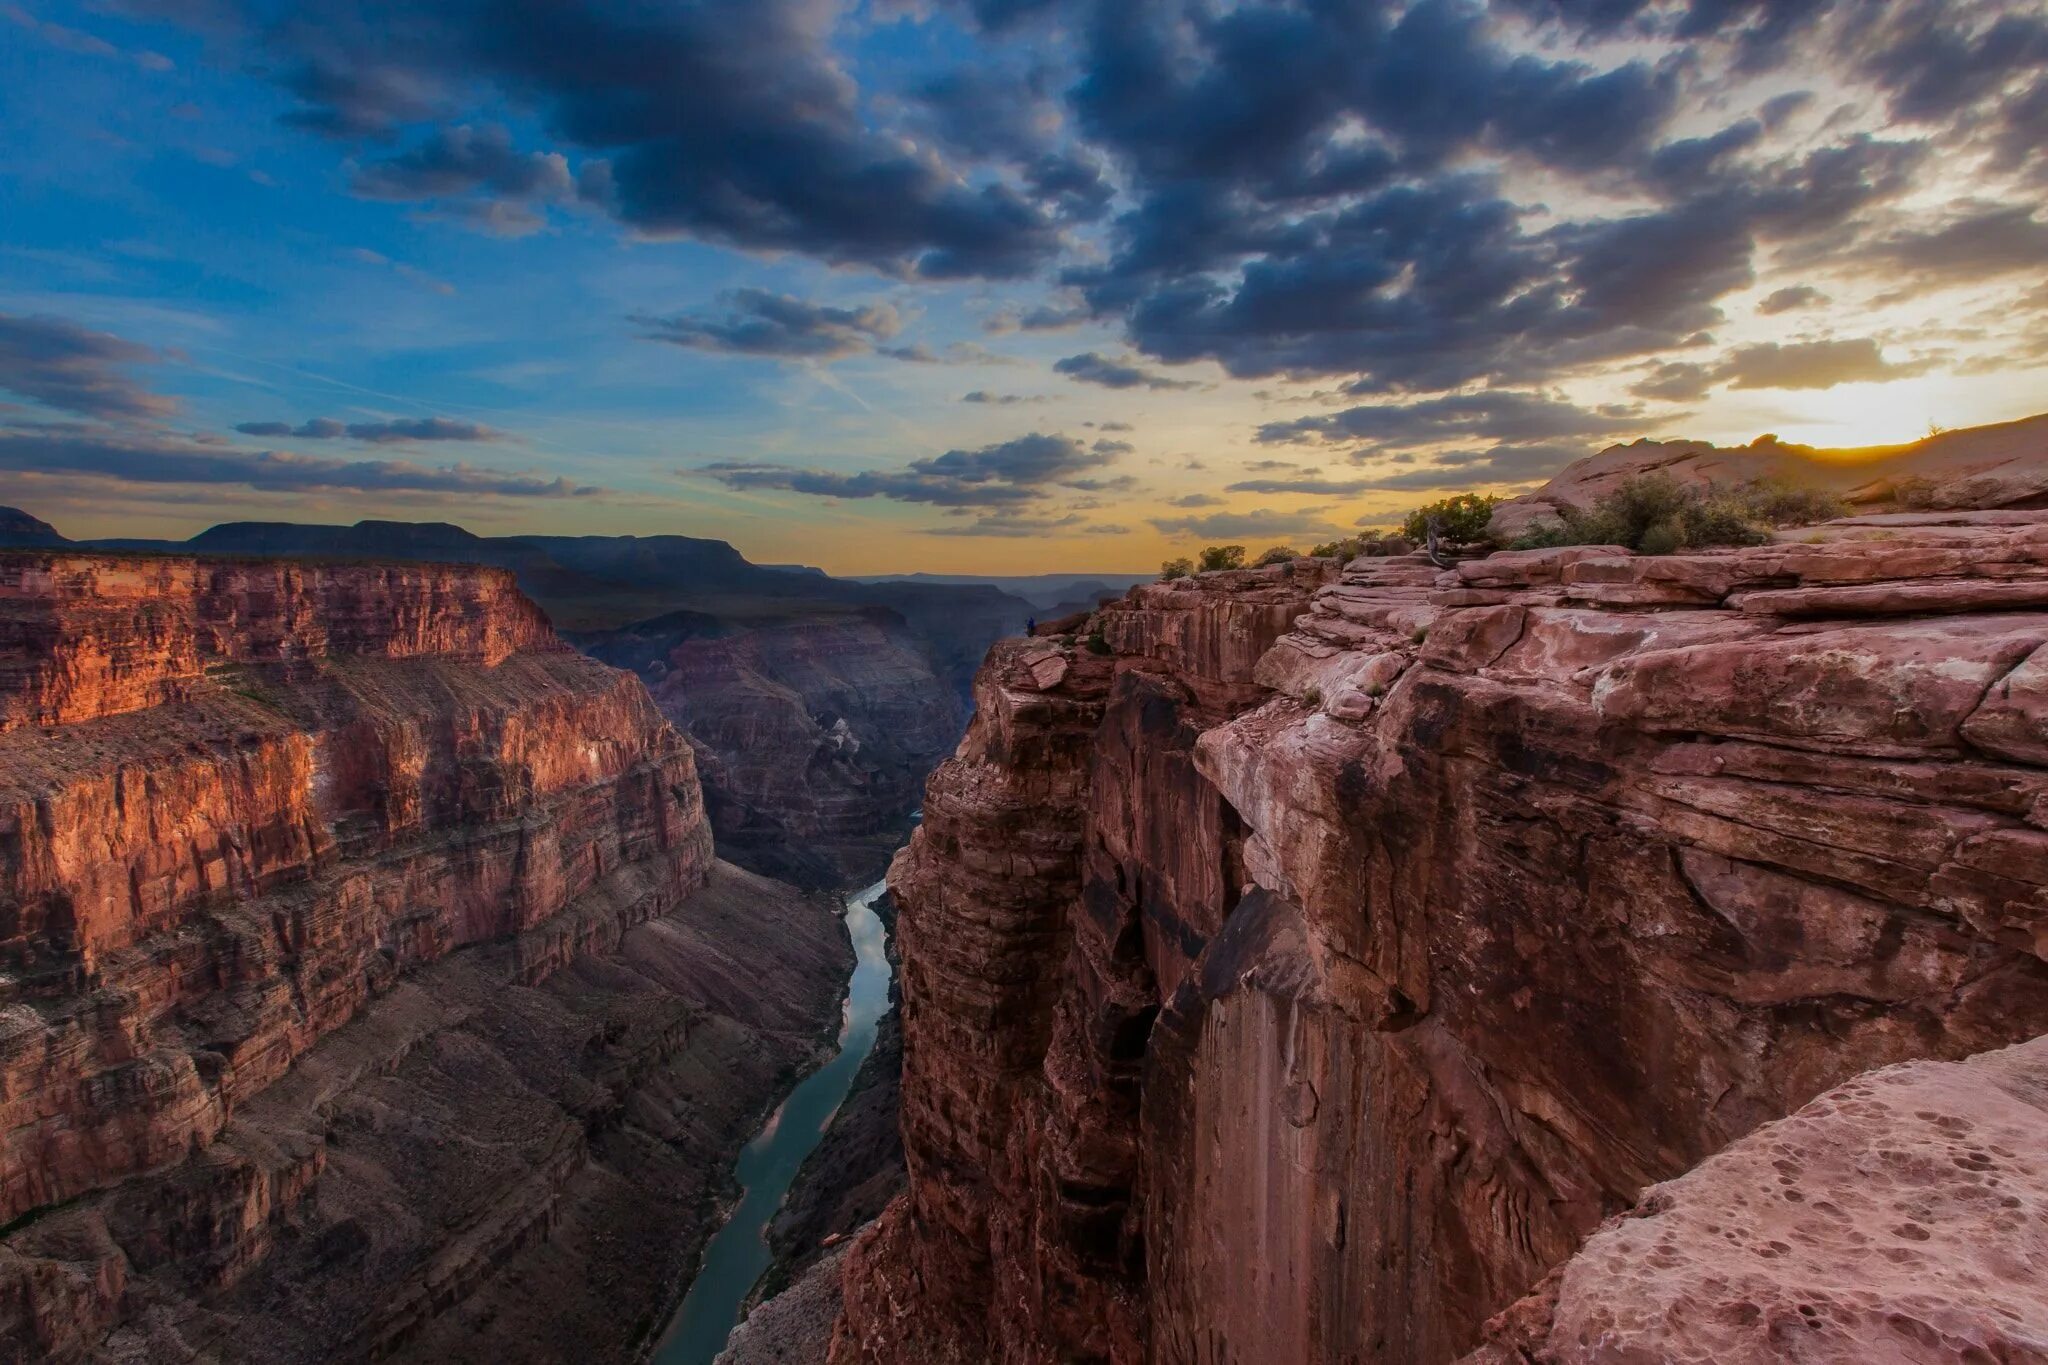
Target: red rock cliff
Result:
[[240, 800], [1308, 974]]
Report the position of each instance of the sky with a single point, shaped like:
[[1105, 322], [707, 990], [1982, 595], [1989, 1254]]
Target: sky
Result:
[[994, 286]]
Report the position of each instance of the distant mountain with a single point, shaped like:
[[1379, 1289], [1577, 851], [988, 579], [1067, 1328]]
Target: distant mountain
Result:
[[1045, 591], [19, 528]]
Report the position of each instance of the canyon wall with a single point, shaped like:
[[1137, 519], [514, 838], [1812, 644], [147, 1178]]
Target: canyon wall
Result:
[[813, 735], [1299, 969], [252, 814]]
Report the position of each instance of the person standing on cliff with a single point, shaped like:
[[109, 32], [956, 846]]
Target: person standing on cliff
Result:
[[1031, 625]]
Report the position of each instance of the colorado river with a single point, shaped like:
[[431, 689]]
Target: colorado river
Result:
[[739, 1253]]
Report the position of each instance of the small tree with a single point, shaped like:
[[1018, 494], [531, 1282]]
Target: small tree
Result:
[[1222, 557], [1460, 520], [1176, 568], [1279, 554]]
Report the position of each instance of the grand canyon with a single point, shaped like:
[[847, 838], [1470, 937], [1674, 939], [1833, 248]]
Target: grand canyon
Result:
[[1024, 682], [1561, 954]]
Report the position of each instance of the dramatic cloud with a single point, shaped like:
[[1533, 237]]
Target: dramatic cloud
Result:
[[453, 163], [759, 323], [62, 365], [1007, 474], [1677, 381], [732, 121], [1095, 368], [149, 458], [379, 433], [1500, 415], [1810, 365]]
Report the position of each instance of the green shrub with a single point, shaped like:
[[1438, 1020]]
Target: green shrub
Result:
[[1460, 520], [1654, 514], [1349, 548], [1096, 643], [1176, 568], [1222, 557], [1543, 535], [1312, 698], [1279, 554]]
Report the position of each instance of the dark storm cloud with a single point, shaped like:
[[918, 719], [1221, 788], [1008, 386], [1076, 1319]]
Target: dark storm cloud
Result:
[[728, 120], [1499, 415], [153, 458], [759, 323], [62, 365], [1005, 475], [1092, 367]]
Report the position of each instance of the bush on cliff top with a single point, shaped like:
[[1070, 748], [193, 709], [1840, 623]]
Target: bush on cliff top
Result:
[[1176, 568], [1222, 557], [1654, 514], [1279, 554], [1460, 520]]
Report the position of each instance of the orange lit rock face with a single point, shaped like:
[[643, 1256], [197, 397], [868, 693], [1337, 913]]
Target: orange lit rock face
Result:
[[237, 800], [1308, 977]]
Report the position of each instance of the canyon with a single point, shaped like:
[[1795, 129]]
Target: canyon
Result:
[[815, 705], [1328, 964], [371, 988]]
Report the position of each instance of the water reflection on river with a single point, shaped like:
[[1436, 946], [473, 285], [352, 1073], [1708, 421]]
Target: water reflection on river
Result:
[[738, 1255]]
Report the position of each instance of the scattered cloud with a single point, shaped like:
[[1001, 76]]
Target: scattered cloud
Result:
[[74, 369], [757, 322], [379, 433], [1260, 522], [1091, 367], [133, 456], [1811, 365], [1503, 415], [1006, 474], [1791, 298]]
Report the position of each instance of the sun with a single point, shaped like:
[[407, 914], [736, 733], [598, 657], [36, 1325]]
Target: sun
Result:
[[1875, 414]]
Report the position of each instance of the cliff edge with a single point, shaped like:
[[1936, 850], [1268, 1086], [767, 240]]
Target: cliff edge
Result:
[[1300, 965], [352, 930]]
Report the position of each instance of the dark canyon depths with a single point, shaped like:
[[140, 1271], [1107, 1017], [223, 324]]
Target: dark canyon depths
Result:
[[1322, 961], [815, 705], [370, 988]]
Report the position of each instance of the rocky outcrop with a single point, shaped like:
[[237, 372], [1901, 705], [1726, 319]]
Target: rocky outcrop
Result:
[[1976, 468], [1901, 1216], [1307, 975], [814, 735], [249, 813]]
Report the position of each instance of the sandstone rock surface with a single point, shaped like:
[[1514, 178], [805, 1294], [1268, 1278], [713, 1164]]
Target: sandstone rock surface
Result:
[[1308, 976], [1990, 467], [249, 813], [1901, 1216]]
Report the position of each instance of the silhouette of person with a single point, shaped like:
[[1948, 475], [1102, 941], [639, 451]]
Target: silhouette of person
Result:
[[1031, 625]]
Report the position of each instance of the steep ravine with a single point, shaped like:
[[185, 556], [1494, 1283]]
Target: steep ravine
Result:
[[1309, 974], [369, 986]]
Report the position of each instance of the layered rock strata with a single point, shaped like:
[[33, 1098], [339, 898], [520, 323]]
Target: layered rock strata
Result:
[[246, 809], [1306, 976], [814, 735]]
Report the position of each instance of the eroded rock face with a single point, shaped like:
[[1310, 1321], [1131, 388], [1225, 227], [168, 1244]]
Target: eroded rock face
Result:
[[814, 736], [239, 804], [1901, 1216], [1305, 978]]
